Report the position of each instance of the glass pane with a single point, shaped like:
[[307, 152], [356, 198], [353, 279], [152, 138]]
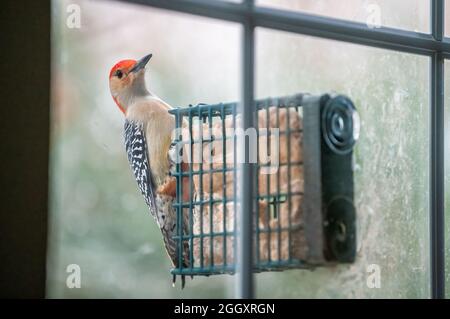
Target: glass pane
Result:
[[411, 15], [447, 18], [391, 93], [99, 219], [447, 176]]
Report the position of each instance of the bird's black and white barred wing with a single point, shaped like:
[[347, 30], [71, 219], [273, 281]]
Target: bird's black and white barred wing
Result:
[[136, 147], [160, 205]]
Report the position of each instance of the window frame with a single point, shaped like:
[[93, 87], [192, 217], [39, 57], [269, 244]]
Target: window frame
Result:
[[25, 147], [434, 45]]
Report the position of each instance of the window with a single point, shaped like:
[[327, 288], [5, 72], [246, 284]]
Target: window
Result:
[[447, 18], [386, 13], [391, 92], [94, 203], [447, 177], [394, 76]]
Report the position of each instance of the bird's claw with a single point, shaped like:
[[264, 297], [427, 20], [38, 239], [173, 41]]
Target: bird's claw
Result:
[[172, 158]]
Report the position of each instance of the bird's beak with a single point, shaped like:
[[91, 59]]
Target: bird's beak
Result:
[[141, 63]]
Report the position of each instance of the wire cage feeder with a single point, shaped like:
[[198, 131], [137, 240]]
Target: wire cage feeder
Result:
[[304, 214]]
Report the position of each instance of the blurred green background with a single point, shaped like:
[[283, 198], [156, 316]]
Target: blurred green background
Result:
[[98, 217]]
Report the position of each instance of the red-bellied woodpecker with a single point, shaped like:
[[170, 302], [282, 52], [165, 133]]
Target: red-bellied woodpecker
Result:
[[148, 132]]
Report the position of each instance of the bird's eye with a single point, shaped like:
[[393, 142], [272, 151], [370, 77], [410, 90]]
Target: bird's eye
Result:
[[119, 74]]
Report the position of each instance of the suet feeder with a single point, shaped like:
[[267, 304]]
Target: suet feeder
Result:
[[304, 215]]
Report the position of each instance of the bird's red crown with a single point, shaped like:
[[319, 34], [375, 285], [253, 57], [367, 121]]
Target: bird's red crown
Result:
[[122, 65]]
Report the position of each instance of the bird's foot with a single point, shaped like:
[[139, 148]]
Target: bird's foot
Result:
[[174, 156]]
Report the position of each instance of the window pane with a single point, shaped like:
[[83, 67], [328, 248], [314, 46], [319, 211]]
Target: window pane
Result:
[[391, 93], [411, 15], [99, 219], [447, 176], [447, 18]]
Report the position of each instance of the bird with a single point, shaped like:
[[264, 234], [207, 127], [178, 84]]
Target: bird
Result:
[[148, 130]]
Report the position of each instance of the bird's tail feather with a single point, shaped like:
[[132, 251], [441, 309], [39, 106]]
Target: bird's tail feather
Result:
[[169, 229]]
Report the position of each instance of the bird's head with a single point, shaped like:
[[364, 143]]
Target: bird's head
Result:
[[126, 81]]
